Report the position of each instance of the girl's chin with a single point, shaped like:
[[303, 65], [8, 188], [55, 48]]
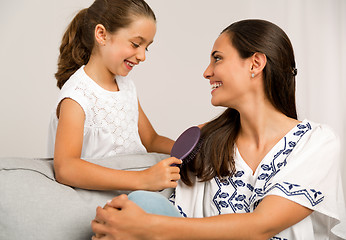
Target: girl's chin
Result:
[[122, 73]]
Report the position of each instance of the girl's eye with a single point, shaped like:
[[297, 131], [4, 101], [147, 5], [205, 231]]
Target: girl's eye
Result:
[[135, 45]]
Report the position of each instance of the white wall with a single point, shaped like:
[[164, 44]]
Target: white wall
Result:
[[170, 84]]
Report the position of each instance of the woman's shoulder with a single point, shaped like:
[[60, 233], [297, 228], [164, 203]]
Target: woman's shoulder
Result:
[[318, 136], [321, 130]]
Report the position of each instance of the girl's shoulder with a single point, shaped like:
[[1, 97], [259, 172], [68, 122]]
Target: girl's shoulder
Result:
[[78, 79]]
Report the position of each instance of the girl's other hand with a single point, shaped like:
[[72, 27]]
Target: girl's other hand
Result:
[[164, 174]]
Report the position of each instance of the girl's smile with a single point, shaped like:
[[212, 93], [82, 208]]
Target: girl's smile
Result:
[[127, 47], [129, 65]]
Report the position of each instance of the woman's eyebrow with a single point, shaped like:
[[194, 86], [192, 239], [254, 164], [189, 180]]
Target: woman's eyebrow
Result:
[[215, 52]]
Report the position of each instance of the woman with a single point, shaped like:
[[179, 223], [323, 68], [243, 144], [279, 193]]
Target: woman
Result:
[[278, 174]]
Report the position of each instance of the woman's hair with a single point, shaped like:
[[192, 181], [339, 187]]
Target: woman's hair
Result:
[[78, 40], [215, 157]]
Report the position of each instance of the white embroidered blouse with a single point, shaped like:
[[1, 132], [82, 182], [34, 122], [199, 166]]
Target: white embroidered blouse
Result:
[[302, 167], [111, 118]]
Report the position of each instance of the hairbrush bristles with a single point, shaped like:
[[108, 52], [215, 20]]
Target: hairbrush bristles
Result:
[[192, 155]]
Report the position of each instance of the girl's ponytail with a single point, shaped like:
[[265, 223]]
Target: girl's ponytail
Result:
[[79, 40], [74, 51]]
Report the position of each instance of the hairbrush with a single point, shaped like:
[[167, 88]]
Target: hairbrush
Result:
[[187, 145]]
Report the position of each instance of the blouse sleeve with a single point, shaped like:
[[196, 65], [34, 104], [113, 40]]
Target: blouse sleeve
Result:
[[312, 177]]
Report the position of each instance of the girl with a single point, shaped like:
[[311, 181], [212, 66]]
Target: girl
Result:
[[97, 113], [260, 173]]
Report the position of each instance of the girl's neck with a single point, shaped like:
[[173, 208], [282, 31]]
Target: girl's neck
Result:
[[101, 75]]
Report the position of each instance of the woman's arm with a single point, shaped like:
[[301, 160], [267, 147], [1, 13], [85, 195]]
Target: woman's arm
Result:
[[73, 171], [272, 215], [150, 139]]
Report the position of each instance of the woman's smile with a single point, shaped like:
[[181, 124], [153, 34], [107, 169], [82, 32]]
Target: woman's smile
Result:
[[215, 85]]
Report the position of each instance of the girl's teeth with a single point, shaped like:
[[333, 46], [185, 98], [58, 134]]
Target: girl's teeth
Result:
[[130, 64]]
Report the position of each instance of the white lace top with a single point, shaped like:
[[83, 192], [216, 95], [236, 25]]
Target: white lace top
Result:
[[111, 118]]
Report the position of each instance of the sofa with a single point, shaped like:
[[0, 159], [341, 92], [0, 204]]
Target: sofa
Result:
[[34, 206]]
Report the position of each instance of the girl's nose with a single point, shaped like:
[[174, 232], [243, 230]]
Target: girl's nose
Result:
[[141, 55]]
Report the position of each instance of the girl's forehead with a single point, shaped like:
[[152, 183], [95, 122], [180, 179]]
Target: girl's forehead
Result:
[[142, 24], [141, 27]]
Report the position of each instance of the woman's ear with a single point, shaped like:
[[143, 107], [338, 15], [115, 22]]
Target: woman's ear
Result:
[[100, 34], [258, 62]]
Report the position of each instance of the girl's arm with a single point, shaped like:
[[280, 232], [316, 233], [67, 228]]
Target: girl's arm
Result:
[[73, 171], [150, 139], [273, 215]]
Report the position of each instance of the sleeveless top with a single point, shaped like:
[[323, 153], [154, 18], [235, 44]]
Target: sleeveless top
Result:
[[111, 118]]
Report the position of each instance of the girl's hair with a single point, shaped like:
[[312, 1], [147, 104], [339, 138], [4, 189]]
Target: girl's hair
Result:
[[215, 157], [78, 40]]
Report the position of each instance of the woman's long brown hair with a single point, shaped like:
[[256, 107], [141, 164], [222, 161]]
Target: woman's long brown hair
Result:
[[78, 41], [215, 158]]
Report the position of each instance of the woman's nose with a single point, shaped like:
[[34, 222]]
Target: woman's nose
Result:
[[208, 72]]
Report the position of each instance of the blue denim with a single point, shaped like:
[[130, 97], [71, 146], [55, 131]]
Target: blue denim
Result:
[[154, 203]]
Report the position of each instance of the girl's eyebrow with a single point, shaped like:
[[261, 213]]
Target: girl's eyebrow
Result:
[[142, 39]]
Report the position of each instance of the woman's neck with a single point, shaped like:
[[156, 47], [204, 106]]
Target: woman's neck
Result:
[[262, 123], [261, 128]]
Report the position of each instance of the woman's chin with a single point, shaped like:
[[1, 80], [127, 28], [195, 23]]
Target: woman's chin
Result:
[[215, 103]]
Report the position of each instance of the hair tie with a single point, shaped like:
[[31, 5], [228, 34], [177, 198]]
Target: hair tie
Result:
[[294, 72]]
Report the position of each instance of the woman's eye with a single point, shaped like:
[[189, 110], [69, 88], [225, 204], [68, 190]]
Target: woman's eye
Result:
[[217, 58]]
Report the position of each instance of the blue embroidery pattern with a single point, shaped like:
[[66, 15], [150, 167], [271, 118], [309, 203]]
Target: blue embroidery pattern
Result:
[[233, 198], [172, 200]]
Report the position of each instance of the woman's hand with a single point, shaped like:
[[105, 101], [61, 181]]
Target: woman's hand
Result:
[[162, 175], [121, 219]]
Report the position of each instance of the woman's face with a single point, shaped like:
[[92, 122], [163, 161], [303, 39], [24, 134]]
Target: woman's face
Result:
[[127, 47], [228, 73]]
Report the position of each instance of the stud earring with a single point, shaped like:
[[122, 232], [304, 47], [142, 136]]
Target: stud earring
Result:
[[252, 75]]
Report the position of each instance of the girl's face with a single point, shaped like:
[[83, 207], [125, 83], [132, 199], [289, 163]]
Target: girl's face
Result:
[[228, 73], [127, 47]]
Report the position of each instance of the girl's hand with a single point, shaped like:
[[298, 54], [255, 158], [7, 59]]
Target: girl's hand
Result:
[[121, 219], [162, 175]]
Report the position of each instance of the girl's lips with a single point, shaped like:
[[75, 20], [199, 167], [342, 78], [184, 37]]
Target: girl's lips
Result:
[[129, 65]]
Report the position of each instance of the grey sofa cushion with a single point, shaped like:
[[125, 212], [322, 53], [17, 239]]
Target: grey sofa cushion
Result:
[[34, 206]]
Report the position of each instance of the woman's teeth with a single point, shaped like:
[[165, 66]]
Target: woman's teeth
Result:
[[216, 85]]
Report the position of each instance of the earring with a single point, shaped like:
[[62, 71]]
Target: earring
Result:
[[252, 75]]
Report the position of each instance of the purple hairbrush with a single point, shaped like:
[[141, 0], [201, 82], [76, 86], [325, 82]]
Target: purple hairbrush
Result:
[[187, 145]]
